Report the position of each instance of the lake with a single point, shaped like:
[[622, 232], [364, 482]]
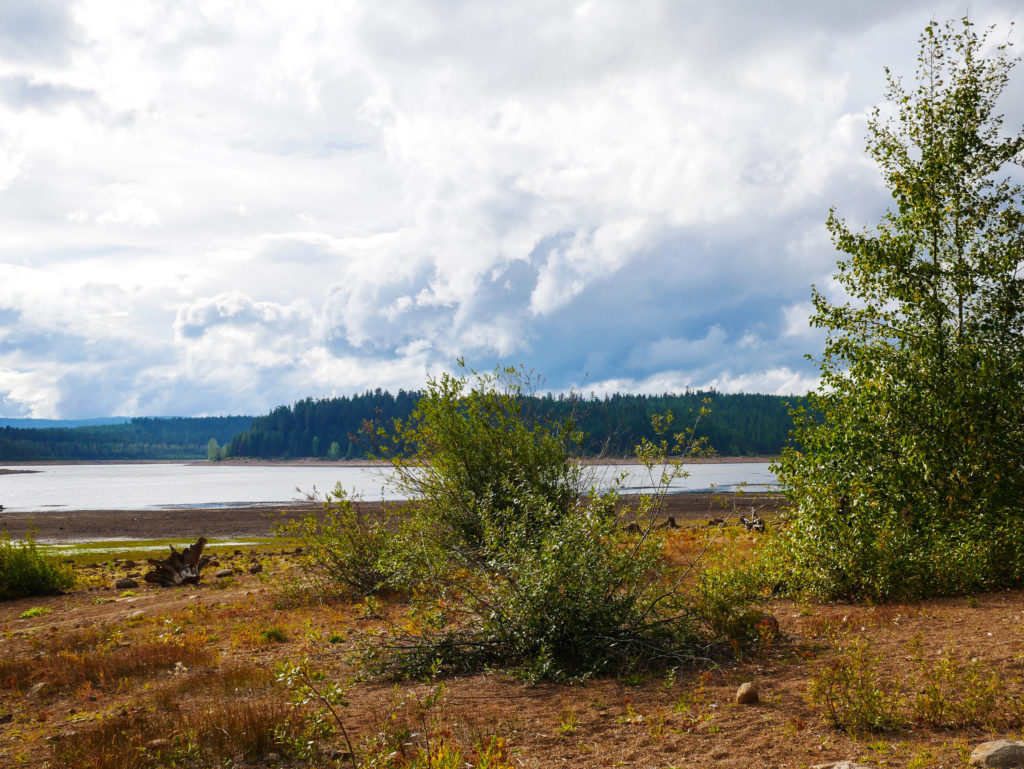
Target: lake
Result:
[[155, 486]]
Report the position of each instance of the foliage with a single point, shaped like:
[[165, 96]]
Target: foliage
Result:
[[342, 546], [909, 482], [857, 697], [943, 691], [139, 438], [739, 424], [35, 611], [488, 472], [24, 571], [512, 561]]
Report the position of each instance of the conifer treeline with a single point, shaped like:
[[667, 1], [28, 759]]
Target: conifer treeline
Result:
[[140, 438], [333, 428]]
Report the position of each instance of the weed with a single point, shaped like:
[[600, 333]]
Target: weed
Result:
[[954, 692], [569, 723], [949, 691], [273, 635], [854, 693], [24, 571], [307, 685], [35, 611]]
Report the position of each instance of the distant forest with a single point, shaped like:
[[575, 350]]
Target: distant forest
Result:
[[139, 438], [332, 428]]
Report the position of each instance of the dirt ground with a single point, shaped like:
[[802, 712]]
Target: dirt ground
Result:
[[86, 525], [688, 718]]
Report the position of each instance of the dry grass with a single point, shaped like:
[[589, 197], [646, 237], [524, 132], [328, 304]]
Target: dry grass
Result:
[[233, 730], [194, 681], [104, 666]]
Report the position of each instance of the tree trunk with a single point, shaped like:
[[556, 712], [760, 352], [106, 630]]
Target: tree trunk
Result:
[[180, 568]]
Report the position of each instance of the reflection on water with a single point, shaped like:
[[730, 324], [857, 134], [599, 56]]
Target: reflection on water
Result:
[[141, 486]]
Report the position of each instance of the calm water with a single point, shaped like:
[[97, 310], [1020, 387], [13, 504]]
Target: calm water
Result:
[[137, 487]]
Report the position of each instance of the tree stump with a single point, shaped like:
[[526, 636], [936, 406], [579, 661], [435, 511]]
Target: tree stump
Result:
[[180, 568], [753, 523]]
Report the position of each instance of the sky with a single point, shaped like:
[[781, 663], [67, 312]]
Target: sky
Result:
[[220, 206]]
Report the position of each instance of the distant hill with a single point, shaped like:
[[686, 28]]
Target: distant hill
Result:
[[738, 424], [42, 424], [133, 439]]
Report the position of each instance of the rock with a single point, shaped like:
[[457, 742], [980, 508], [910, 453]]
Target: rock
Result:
[[136, 615], [1001, 754], [157, 744], [6, 718], [37, 692], [841, 765], [130, 564], [125, 583], [224, 573], [747, 694], [255, 567]]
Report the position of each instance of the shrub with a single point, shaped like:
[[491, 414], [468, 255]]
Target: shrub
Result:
[[482, 464], [24, 571], [342, 547], [511, 560]]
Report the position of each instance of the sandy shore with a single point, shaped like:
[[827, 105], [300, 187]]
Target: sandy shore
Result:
[[260, 521]]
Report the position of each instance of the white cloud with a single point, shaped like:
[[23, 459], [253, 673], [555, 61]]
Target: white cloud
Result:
[[131, 212], [318, 199]]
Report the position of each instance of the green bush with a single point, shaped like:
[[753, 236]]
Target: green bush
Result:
[[25, 572], [511, 561], [482, 464], [342, 547]]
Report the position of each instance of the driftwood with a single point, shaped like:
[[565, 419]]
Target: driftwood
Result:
[[753, 523], [180, 568]]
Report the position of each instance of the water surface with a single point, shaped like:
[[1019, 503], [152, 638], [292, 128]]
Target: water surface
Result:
[[155, 486]]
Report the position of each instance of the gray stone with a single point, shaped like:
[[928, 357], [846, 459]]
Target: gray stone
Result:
[[224, 573], [747, 694], [999, 754], [125, 583], [157, 744], [139, 614], [841, 765]]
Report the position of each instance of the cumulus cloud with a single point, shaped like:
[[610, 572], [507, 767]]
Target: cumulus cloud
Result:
[[34, 31], [222, 207]]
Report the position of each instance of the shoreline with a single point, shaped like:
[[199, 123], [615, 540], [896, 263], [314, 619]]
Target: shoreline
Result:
[[64, 526]]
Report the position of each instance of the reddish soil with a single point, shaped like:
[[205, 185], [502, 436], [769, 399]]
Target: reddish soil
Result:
[[689, 720]]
